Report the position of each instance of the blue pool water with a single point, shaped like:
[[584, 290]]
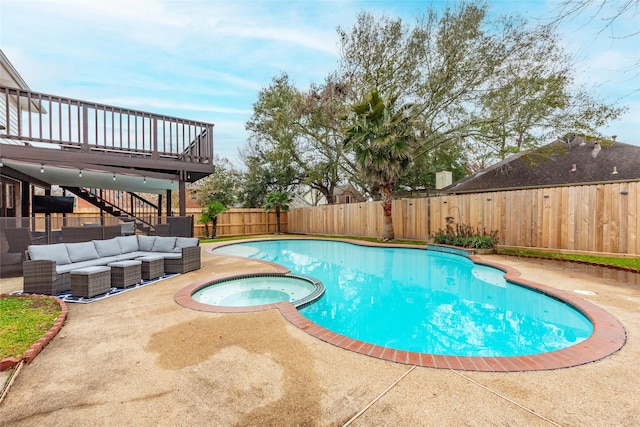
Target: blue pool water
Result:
[[423, 301]]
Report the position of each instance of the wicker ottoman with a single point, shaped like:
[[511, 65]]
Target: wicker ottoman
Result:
[[90, 281], [152, 266], [125, 273]]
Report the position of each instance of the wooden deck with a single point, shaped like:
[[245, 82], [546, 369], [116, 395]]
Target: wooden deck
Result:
[[51, 129]]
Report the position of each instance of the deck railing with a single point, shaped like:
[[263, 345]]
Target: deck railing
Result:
[[88, 126]]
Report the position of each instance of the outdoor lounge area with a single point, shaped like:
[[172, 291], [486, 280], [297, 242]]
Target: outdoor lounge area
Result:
[[18, 234], [258, 369], [84, 268]]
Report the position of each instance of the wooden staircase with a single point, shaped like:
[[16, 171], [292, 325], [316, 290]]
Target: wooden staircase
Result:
[[137, 208]]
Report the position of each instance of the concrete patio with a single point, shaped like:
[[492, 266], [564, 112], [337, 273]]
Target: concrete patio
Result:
[[141, 359]]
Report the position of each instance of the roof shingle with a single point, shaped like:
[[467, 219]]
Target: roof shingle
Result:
[[556, 164]]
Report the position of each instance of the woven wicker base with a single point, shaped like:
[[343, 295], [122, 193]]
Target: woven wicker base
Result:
[[125, 273], [190, 260], [90, 281], [152, 267]]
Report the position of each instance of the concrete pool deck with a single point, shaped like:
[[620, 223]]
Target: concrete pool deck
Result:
[[139, 358]]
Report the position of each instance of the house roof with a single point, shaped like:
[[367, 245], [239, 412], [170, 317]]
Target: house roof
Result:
[[10, 77], [348, 188], [562, 162]]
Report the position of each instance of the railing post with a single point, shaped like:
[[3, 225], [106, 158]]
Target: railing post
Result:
[[19, 115], [29, 122], [154, 139], [7, 116], [209, 148], [85, 127]]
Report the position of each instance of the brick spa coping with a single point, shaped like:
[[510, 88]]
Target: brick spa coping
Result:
[[608, 335], [36, 348]]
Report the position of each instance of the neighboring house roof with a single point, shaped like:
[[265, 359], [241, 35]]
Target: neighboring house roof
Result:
[[562, 162], [313, 197], [348, 188]]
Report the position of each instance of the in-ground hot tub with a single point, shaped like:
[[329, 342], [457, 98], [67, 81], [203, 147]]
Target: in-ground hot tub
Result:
[[260, 289]]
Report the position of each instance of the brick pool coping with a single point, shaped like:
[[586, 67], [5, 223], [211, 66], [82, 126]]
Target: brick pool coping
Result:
[[607, 338]]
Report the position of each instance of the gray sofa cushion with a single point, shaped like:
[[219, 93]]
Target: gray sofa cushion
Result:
[[128, 244], [84, 251], [185, 242], [140, 254], [172, 256], [56, 252], [164, 244], [90, 263], [145, 243], [109, 247], [132, 255]]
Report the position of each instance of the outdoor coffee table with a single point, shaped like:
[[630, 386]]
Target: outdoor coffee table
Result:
[[88, 282], [125, 273], [152, 266]]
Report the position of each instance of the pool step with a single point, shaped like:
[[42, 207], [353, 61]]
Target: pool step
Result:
[[265, 257]]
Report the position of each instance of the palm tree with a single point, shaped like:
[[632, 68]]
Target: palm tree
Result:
[[278, 201], [382, 140], [210, 213]]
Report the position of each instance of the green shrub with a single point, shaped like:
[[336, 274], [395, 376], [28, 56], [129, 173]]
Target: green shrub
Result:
[[466, 236]]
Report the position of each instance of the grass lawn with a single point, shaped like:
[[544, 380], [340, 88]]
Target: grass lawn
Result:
[[23, 321], [633, 263]]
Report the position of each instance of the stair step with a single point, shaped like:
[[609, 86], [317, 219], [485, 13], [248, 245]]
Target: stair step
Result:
[[106, 207]]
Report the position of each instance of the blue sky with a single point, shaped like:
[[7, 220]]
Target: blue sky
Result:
[[206, 59]]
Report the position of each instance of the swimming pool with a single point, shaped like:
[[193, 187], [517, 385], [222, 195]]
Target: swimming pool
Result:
[[423, 301]]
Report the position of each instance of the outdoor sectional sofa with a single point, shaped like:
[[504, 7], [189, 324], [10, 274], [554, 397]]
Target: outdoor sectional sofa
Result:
[[48, 267]]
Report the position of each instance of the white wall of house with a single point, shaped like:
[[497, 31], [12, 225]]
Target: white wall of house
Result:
[[308, 197], [9, 188], [9, 77], [13, 116]]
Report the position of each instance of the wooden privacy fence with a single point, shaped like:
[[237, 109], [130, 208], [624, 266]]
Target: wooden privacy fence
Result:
[[592, 218], [244, 222]]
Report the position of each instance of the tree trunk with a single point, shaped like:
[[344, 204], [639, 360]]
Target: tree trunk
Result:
[[387, 230], [214, 233], [277, 220]]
